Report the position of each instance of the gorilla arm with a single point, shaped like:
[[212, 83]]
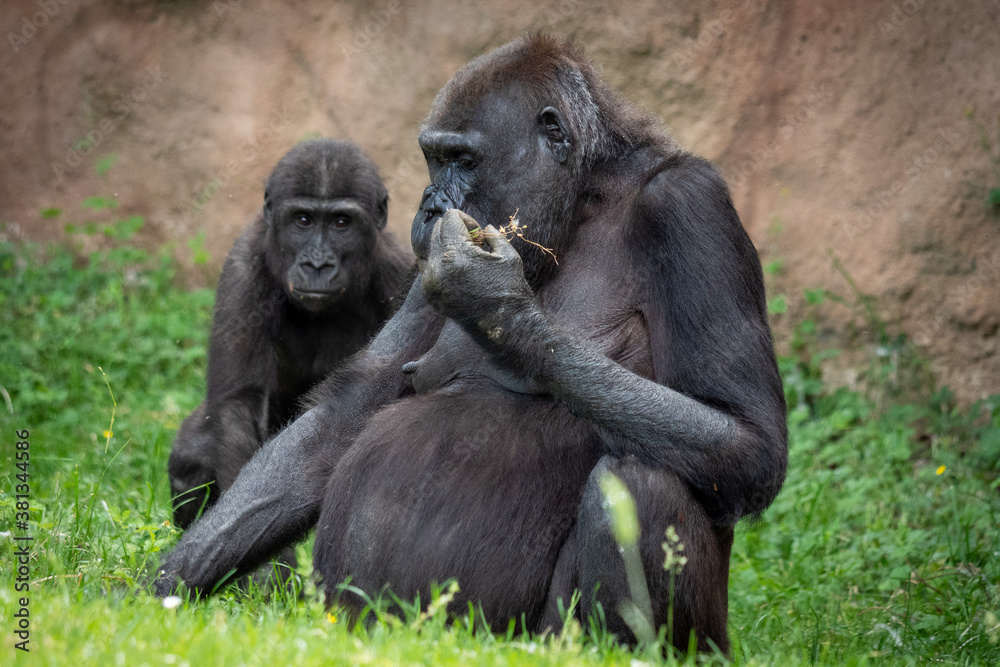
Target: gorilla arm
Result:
[[277, 496], [227, 428], [727, 444]]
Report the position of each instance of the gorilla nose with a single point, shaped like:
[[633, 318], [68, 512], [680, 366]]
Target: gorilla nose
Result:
[[320, 270], [435, 202], [433, 205]]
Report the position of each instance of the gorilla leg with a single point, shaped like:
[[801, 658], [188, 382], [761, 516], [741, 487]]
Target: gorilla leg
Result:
[[592, 556], [191, 469]]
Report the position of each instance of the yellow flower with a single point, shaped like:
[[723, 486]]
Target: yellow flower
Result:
[[107, 434], [940, 470], [332, 618]]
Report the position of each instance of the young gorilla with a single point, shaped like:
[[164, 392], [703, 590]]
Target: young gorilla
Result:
[[644, 352], [306, 285]]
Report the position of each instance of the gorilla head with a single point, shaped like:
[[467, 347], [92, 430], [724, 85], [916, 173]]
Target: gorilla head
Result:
[[521, 129], [324, 206]]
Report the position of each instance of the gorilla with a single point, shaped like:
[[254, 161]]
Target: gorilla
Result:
[[306, 285], [468, 439]]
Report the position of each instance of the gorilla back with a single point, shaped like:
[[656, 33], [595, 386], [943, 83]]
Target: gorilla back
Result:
[[306, 284]]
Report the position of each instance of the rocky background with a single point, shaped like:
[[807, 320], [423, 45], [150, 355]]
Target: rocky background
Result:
[[850, 131]]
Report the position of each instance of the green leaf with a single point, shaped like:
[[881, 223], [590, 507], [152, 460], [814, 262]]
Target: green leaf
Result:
[[51, 212], [777, 305], [621, 510], [105, 163], [99, 203], [773, 267], [199, 254], [993, 200], [126, 229], [814, 297]]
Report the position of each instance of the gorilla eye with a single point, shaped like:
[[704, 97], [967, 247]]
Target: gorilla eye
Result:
[[432, 159], [466, 161], [341, 222], [303, 220], [549, 120]]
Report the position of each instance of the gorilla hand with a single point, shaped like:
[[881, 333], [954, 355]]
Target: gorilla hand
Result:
[[478, 286]]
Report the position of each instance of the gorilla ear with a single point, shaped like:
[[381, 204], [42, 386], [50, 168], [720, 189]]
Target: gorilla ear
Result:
[[553, 128], [382, 213], [267, 205]]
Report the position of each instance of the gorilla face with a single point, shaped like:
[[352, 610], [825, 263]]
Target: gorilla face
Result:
[[326, 244], [509, 152], [324, 206]]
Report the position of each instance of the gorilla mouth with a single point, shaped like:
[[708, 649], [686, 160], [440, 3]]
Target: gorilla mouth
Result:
[[305, 293]]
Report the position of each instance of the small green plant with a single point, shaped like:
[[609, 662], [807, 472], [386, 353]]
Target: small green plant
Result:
[[673, 564], [199, 253], [104, 164], [637, 612], [896, 370], [100, 203]]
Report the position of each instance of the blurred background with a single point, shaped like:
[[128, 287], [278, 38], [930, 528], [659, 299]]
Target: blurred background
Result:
[[860, 139]]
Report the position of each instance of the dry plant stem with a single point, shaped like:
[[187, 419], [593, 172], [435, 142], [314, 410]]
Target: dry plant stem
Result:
[[509, 231]]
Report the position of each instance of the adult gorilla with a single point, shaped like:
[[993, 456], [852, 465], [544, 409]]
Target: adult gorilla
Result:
[[305, 286], [644, 352]]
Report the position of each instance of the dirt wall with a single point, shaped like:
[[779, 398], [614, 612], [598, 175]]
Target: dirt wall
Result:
[[842, 126]]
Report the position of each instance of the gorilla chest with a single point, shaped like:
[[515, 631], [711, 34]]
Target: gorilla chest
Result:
[[595, 309], [305, 354], [601, 311]]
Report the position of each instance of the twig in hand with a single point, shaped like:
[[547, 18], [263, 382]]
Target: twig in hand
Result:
[[509, 231]]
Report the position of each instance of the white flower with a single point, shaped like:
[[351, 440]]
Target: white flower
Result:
[[171, 602]]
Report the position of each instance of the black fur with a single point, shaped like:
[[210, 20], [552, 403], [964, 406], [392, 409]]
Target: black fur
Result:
[[645, 351], [270, 343]]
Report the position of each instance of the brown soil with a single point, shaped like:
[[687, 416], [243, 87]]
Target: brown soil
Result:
[[840, 124]]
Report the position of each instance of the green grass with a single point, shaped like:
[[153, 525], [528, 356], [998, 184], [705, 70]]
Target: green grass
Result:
[[868, 555]]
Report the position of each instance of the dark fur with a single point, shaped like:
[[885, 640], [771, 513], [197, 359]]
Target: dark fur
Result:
[[267, 348], [482, 461]]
